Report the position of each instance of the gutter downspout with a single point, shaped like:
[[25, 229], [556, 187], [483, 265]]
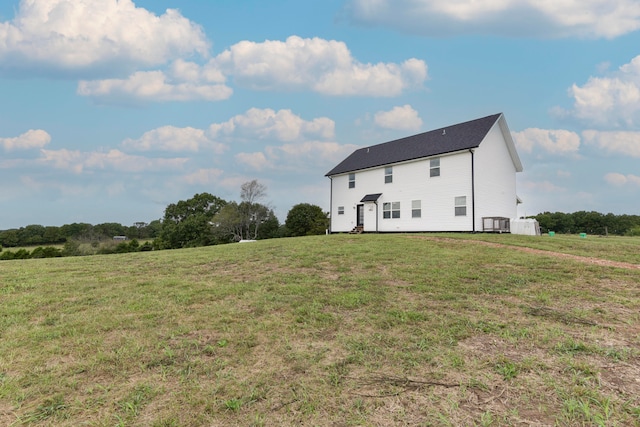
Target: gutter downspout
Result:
[[473, 193], [376, 203], [330, 205]]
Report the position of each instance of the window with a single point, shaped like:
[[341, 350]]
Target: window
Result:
[[434, 167], [391, 210], [416, 209], [352, 180], [461, 206], [340, 210], [388, 174]]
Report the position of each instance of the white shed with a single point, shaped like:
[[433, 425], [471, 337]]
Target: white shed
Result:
[[526, 226]]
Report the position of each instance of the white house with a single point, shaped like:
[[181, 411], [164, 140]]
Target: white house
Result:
[[457, 178]]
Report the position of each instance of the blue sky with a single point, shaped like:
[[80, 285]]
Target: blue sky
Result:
[[110, 110]]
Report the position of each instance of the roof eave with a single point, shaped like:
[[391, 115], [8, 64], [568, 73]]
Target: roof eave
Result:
[[446, 153], [511, 146]]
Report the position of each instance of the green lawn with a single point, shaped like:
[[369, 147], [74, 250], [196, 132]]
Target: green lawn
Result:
[[330, 330]]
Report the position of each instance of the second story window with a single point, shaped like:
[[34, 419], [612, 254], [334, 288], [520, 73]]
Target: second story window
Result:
[[388, 174], [352, 180], [434, 167]]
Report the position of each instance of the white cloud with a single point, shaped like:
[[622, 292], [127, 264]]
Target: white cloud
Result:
[[30, 139], [557, 141], [399, 118], [525, 18], [282, 125], [541, 187], [95, 34], [323, 66], [298, 157], [256, 161], [203, 176], [153, 86], [619, 179], [625, 143], [77, 161], [170, 138], [611, 101]]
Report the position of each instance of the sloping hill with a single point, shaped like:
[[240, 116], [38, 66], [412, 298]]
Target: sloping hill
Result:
[[327, 330]]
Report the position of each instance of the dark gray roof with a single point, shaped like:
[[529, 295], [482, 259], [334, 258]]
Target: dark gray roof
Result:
[[371, 197], [449, 139]]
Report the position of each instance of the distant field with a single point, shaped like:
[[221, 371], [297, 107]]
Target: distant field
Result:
[[344, 330]]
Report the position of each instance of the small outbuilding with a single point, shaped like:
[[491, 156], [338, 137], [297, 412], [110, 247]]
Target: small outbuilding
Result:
[[526, 226]]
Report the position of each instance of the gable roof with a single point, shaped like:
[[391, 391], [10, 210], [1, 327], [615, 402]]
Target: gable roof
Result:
[[449, 139]]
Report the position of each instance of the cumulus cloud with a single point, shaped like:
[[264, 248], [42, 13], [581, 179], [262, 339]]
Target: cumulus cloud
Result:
[[78, 161], [170, 138], [619, 179], [399, 118], [296, 157], [541, 187], [152, 86], [203, 176], [77, 35], [30, 139], [323, 66], [183, 81], [282, 125], [524, 18], [556, 141], [624, 143], [612, 100], [256, 161]]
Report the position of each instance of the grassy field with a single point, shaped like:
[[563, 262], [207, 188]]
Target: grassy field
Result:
[[330, 331]]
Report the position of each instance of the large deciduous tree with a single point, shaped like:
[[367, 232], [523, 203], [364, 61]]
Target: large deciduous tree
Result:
[[305, 219], [246, 220], [188, 222]]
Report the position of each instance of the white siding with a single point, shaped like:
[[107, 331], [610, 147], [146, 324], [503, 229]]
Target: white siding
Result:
[[494, 196], [495, 179], [411, 181]]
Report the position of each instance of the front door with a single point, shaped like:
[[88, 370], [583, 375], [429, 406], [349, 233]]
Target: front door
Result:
[[360, 214]]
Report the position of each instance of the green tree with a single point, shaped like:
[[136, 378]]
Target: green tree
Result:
[[9, 238], [305, 219], [31, 235], [53, 235], [248, 219], [109, 229], [188, 222], [80, 231]]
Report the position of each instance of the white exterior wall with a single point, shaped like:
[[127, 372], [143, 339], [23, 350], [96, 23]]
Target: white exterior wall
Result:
[[411, 181], [495, 178]]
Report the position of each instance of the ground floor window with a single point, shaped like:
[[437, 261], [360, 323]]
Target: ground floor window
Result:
[[416, 209], [461, 205], [340, 210], [391, 210]]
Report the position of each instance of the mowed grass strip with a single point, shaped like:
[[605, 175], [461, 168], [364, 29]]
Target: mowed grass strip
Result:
[[327, 330]]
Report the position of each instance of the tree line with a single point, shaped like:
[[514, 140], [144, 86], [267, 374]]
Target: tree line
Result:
[[202, 220], [34, 235], [589, 222]]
